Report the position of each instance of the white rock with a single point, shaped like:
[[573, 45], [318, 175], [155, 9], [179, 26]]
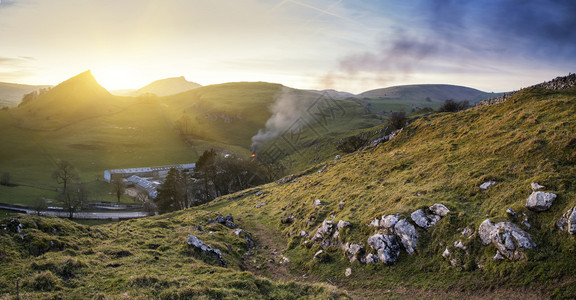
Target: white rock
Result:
[[484, 231], [407, 234], [317, 202], [389, 221], [318, 253], [487, 184], [510, 240], [446, 253], [424, 220], [439, 209], [459, 244], [540, 201], [348, 272], [341, 224], [536, 186]]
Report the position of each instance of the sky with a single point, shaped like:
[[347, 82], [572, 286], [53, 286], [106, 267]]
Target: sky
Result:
[[354, 46]]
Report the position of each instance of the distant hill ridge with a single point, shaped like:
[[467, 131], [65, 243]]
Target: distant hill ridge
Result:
[[428, 92], [167, 86]]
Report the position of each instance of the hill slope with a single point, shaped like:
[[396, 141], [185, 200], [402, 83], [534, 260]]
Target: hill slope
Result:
[[73, 100], [428, 92], [167, 86]]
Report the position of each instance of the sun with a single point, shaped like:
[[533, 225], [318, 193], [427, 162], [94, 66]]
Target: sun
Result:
[[117, 77]]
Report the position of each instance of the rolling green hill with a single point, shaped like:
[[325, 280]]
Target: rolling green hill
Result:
[[167, 86], [440, 158], [428, 92]]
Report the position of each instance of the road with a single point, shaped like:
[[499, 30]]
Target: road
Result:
[[78, 215]]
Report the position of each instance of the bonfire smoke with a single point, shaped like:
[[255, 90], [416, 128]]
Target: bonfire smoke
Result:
[[286, 111]]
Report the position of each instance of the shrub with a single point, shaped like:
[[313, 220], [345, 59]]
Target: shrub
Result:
[[44, 281], [397, 120], [453, 106], [351, 143]]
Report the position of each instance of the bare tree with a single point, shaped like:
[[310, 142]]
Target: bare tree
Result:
[[118, 187], [64, 174], [40, 205], [73, 199]]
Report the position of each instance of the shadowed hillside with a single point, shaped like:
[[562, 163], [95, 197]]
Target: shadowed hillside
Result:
[[168, 86], [76, 99], [428, 92], [11, 93]]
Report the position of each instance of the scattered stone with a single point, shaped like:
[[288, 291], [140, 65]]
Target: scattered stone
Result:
[[341, 204], [303, 233], [198, 228], [487, 184], [407, 234], [323, 169], [261, 204], [484, 231], [446, 253], [467, 232], [568, 221], [536, 186], [196, 242], [244, 234], [387, 247], [355, 252], [337, 157], [318, 254], [284, 260], [348, 272], [439, 209], [341, 224], [288, 220], [227, 221], [460, 245], [510, 240], [423, 219], [324, 231], [540, 201], [317, 202], [511, 212], [259, 193], [498, 256], [526, 223]]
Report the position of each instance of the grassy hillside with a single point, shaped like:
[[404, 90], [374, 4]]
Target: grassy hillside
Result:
[[440, 158]]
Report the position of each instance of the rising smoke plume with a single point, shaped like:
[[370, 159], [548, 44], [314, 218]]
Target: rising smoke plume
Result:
[[287, 109]]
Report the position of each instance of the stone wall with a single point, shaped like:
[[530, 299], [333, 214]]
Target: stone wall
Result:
[[558, 83]]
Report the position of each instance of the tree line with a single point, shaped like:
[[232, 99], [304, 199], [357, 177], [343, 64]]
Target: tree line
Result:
[[216, 174]]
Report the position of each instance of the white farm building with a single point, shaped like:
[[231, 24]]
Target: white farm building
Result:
[[157, 172]]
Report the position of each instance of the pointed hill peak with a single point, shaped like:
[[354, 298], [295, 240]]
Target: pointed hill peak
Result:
[[83, 82]]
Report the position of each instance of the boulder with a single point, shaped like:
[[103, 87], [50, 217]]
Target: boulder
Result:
[[227, 221], [484, 231], [387, 247], [324, 231], [568, 221], [511, 212], [439, 209], [510, 240], [389, 221], [423, 219], [540, 201], [407, 234], [196, 242], [467, 232]]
